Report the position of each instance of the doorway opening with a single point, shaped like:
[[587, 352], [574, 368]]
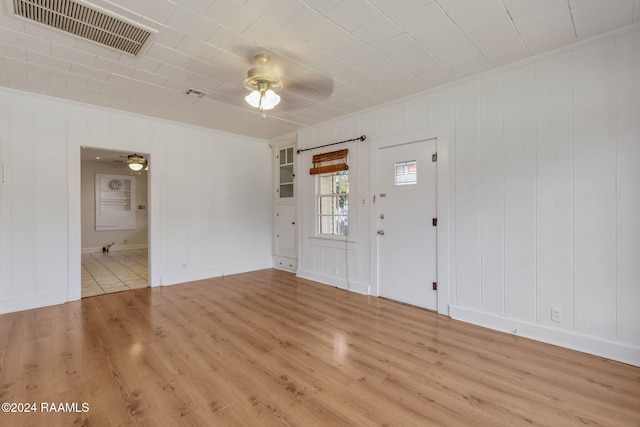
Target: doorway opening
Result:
[[114, 222]]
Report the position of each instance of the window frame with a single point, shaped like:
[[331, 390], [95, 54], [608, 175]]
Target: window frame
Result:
[[335, 214]]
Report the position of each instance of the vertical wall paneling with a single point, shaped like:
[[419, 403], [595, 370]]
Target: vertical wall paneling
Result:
[[553, 192], [52, 205], [139, 128], [178, 210], [467, 196], [419, 112], [23, 197], [210, 162], [492, 190], [193, 189], [99, 123], [121, 126], [628, 195], [252, 225], [594, 189], [77, 119], [158, 202], [519, 164], [5, 198], [390, 119]]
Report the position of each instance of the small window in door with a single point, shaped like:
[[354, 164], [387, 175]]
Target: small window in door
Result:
[[406, 173]]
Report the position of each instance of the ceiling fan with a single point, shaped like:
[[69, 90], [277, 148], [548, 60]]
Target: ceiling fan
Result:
[[263, 80], [136, 162]]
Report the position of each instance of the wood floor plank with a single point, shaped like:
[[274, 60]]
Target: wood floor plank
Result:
[[268, 349]]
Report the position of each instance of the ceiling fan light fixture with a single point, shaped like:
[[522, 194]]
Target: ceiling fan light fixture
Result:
[[253, 99], [136, 162], [270, 100], [262, 81], [263, 99]]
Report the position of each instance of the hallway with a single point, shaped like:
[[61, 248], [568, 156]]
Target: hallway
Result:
[[116, 271]]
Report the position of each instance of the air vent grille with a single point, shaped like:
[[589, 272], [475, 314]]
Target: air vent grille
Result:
[[83, 21]]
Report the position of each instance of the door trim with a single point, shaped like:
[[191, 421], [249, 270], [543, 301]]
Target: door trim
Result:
[[441, 134], [74, 146]]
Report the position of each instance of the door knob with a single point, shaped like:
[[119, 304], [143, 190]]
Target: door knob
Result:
[[381, 232]]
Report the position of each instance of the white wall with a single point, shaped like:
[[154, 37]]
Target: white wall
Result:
[[93, 240], [544, 208], [210, 205]]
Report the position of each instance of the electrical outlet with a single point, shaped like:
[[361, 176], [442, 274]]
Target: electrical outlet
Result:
[[335, 271], [184, 266], [556, 314]]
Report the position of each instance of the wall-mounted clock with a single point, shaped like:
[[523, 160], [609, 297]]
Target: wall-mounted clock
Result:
[[115, 184]]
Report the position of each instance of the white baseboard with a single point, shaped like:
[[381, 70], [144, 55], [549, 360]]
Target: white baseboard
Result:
[[116, 248], [209, 273], [613, 350], [338, 282], [36, 301]]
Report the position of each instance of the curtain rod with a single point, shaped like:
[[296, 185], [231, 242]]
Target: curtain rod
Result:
[[361, 138]]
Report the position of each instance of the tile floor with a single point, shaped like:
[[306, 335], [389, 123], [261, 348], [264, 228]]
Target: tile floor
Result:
[[115, 271]]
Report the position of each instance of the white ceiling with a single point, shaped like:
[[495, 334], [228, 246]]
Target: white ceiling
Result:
[[336, 56]]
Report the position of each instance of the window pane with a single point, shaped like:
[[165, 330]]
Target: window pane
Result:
[[326, 184], [283, 157], [286, 174], [328, 205], [406, 173], [342, 225], [342, 182], [290, 155], [286, 190], [343, 205], [326, 225]]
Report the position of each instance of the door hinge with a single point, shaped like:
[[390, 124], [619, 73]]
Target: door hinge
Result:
[[435, 286], [434, 157], [434, 221]]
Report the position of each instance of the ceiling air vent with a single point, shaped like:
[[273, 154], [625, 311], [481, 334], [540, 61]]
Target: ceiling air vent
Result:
[[85, 21]]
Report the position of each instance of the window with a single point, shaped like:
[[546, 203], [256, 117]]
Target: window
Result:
[[286, 173], [333, 203], [406, 173]]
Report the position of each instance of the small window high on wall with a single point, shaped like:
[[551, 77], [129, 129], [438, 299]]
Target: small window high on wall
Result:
[[406, 173], [115, 202]]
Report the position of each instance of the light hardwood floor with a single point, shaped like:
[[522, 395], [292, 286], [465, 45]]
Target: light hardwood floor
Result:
[[266, 348]]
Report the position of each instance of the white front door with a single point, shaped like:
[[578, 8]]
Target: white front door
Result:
[[406, 206]]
